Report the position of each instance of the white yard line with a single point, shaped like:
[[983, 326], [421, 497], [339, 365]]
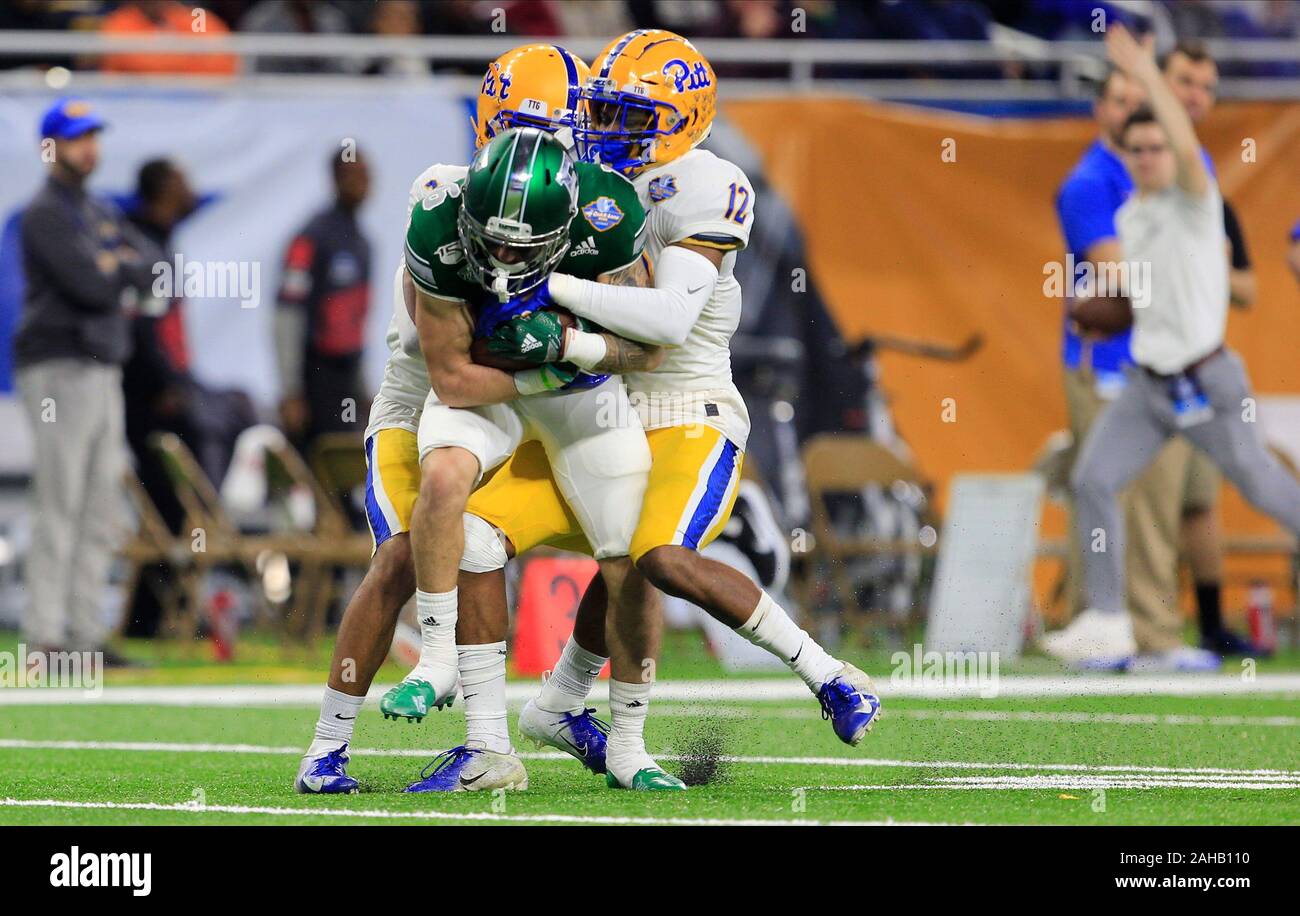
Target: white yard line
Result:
[[1066, 782], [701, 710], [1094, 718], [710, 691], [483, 816], [204, 748]]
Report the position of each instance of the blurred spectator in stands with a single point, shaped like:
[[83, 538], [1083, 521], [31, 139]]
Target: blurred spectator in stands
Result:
[[456, 17], [528, 17], [755, 19], [593, 19], [41, 14], [165, 17], [320, 316], [299, 17], [401, 19], [937, 21], [1195, 19], [85, 268], [683, 18]]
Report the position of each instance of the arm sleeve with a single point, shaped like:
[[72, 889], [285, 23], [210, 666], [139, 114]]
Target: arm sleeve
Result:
[[1236, 238], [662, 316], [290, 331], [1086, 214], [68, 257]]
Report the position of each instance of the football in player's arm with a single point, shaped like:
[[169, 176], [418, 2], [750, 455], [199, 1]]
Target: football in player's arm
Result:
[[709, 227], [605, 241]]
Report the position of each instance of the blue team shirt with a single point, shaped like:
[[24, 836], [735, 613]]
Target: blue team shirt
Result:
[[1086, 206]]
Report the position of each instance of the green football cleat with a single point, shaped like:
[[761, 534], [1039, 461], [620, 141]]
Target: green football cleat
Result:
[[412, 700], [650, 779]]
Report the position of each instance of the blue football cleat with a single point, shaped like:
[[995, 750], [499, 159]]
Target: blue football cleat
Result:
[[471, 769], [581, 736], [849, 700], [326, 774]]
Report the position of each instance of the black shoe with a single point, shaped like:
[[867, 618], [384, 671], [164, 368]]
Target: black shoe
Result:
[[1226, 642]]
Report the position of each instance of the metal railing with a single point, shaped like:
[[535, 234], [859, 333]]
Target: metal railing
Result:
[[1062, 69]]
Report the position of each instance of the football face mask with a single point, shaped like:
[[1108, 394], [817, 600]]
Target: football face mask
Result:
[[651, 99], [520, 195], [620, 128]]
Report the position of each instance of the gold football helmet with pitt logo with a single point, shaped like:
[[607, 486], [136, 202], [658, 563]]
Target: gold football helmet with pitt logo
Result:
[[650, 99], [535, 85]]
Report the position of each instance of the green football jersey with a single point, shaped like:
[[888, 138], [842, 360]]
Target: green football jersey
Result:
[[607, 234]]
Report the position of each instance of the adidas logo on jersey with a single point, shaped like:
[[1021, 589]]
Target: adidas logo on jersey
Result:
[[587, 246]]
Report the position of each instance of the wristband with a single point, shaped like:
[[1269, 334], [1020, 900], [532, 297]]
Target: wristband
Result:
[[537, 381], [583, 348]]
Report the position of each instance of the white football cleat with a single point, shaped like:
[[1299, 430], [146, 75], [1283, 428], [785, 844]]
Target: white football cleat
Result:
[[580, 735], [471, 769], [1095, 639], [325, 773]]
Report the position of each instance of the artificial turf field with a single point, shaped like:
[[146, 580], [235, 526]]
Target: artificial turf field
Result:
[[210, 756]]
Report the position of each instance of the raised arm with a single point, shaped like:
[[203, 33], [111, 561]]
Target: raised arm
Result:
[[1138, 61]]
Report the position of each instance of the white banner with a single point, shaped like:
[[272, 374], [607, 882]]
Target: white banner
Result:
[[264, 155]]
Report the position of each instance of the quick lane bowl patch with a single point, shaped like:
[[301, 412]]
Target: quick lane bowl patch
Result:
[[603, 214], [662, 188]]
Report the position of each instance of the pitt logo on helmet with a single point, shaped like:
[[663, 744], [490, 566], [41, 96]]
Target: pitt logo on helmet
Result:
[[651, 98], [686, 76], [532, 86]]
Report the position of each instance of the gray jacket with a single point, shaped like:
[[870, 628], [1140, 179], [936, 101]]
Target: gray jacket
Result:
[[72, 308]]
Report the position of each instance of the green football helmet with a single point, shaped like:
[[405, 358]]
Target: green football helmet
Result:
[[520, 196]]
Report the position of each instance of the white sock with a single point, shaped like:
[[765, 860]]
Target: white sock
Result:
[[771, 627], [437, 613], [570, 683], [625, 751], [338, 716], [483, 687]]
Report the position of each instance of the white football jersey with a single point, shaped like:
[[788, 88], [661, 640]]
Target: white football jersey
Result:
[[699, 197], [406, 379]]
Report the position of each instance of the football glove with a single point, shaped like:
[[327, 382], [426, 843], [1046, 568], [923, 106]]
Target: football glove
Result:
[[535, 337]]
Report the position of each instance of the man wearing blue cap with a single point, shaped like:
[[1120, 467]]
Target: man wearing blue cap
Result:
[[85, 274]]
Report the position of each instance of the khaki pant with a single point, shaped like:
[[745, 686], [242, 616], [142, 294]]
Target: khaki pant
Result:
[[1152, 506], [1201, 491], [78, 511]]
